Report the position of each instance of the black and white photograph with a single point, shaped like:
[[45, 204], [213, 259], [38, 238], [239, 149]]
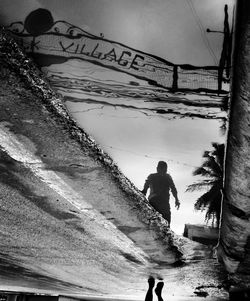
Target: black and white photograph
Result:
[[124, 150]]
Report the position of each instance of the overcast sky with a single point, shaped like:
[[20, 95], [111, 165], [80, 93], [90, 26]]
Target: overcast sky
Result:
[[171, 29]]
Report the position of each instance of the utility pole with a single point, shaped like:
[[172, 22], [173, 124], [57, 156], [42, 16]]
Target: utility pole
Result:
[[224, 53], [225, 58]]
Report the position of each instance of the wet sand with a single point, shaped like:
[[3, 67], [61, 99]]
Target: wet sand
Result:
[[61, 241], [138, 124]]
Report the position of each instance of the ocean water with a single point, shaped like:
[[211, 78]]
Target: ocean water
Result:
[[138, 124]]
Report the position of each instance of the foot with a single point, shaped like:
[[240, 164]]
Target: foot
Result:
[[159, 288], [151, 282]]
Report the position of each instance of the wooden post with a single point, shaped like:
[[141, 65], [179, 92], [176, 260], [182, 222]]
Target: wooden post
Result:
[[175, 78]]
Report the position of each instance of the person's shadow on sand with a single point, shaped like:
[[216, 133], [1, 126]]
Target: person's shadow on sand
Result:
[[158, 289]]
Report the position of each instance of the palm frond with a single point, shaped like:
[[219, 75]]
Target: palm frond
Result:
[[210, 198], [205, 184], [211, 201], [202, 171], [212, 170], [219, 153], [212, 165]]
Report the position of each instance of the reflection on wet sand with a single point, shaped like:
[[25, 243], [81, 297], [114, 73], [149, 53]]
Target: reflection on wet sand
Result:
[[100, 255], [139, 124]]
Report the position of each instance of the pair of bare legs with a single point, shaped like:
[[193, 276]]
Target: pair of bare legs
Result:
[[158, 290]]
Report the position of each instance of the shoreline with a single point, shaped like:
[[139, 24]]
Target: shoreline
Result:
[[35, 80]]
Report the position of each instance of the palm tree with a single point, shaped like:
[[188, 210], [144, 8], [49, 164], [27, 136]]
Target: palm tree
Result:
[[212, 172]]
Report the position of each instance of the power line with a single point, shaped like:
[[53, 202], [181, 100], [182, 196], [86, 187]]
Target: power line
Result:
[[204, 35], [148, 156], [202, 30]]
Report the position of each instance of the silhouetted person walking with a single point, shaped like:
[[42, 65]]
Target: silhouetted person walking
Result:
[[158, 290], [160, 184]]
